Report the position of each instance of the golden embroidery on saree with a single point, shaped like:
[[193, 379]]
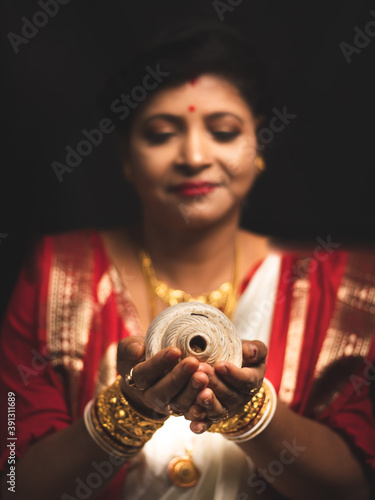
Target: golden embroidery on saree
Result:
[[295, 335], [70, 308]]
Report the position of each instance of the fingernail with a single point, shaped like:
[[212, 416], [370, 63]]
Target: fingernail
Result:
[[200, 428], [200, 415], [222, 369], [134, 349], [188, 368], [197, 384], [207, 401], [171, 356]]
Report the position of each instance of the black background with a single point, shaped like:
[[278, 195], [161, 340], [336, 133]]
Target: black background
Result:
[[319, 180]]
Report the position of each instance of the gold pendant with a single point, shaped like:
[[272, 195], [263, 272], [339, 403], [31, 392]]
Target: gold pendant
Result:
[[183, 472]]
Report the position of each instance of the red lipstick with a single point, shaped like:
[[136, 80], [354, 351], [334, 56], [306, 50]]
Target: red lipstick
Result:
[[194, 188]]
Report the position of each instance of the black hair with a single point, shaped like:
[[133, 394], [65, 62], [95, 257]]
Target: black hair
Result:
[[182, 53]]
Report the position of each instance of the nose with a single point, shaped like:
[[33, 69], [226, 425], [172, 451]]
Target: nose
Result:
[[194, 154]]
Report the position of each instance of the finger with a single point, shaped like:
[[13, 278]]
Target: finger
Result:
[[148, 372], [130, 351], [228, 396], [186, 398], [214, 412], [175, 381], [198, 427], [243, 380], [253, 352], [196, 413]]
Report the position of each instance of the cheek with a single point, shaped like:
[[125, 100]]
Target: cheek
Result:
[[240, 160], [243, 182], [241, 170], [148, 167], [243, 173]]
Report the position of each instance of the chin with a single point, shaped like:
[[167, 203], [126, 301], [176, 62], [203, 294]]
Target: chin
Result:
[[200, 219], [194, 214]]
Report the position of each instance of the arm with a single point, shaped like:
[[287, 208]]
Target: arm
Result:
[[70, 455], [316, 461], [60, 464], [313, 461]]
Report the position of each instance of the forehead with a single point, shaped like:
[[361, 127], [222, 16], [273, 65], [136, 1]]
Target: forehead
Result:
[[207, 93]]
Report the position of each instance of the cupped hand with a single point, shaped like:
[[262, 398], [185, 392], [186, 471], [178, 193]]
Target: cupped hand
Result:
[[162, 383], [229, 388]]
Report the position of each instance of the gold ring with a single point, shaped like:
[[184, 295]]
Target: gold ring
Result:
[[174, 411], [130, 381], [177, 413], [217, 420]]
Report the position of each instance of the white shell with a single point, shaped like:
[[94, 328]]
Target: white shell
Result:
[[198, 330]]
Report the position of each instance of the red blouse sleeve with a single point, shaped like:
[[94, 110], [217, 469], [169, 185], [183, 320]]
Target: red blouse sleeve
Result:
[[352, 414], [40, 402]]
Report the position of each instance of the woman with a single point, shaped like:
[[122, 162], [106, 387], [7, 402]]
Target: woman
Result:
[[190, 152]]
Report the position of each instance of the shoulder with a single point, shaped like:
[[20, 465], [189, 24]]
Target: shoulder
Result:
[[121, 245], [73, 250], [322, 253], [331, 266], [71, 239]]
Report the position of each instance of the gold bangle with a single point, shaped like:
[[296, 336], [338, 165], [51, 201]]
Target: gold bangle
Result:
[[119, 424], [267, 414], [249, 417]]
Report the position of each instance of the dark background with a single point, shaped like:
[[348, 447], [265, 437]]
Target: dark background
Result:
[[319, 180]]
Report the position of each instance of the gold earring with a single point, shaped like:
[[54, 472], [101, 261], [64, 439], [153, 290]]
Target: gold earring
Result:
[[259, 163]]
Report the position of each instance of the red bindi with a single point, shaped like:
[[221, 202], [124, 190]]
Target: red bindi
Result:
[[193, 81], [191, 108]]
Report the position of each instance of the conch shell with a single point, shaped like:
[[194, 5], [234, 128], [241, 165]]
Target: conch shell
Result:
[[198, 330]]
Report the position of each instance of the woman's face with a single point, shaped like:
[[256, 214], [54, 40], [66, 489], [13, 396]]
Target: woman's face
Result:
[[191, 152]]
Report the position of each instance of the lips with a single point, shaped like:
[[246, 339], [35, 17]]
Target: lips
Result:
[[194, 188]]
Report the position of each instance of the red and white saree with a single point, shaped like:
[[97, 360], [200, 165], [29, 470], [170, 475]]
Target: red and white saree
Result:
[[69, 310]]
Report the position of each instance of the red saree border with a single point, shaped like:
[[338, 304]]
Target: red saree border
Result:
[[70, 307]]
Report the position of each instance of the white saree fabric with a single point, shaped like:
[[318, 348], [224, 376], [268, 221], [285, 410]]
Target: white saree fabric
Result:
[[224, 467]]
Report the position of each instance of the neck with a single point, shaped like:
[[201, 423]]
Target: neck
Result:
[[195, 259]]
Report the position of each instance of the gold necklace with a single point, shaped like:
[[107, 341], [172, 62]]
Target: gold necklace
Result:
[[223, 298], [182, 470]]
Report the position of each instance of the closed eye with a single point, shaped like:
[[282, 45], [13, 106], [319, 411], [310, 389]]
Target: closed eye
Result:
[[225, 136], [159, 138]]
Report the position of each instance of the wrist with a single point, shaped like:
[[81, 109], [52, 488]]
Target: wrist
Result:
[[253, 419], [116, 426], [137, 405]]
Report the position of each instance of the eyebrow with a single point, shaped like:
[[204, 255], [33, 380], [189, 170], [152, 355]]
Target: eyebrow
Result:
[[164, 116], [223, 114], [178, 120]]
